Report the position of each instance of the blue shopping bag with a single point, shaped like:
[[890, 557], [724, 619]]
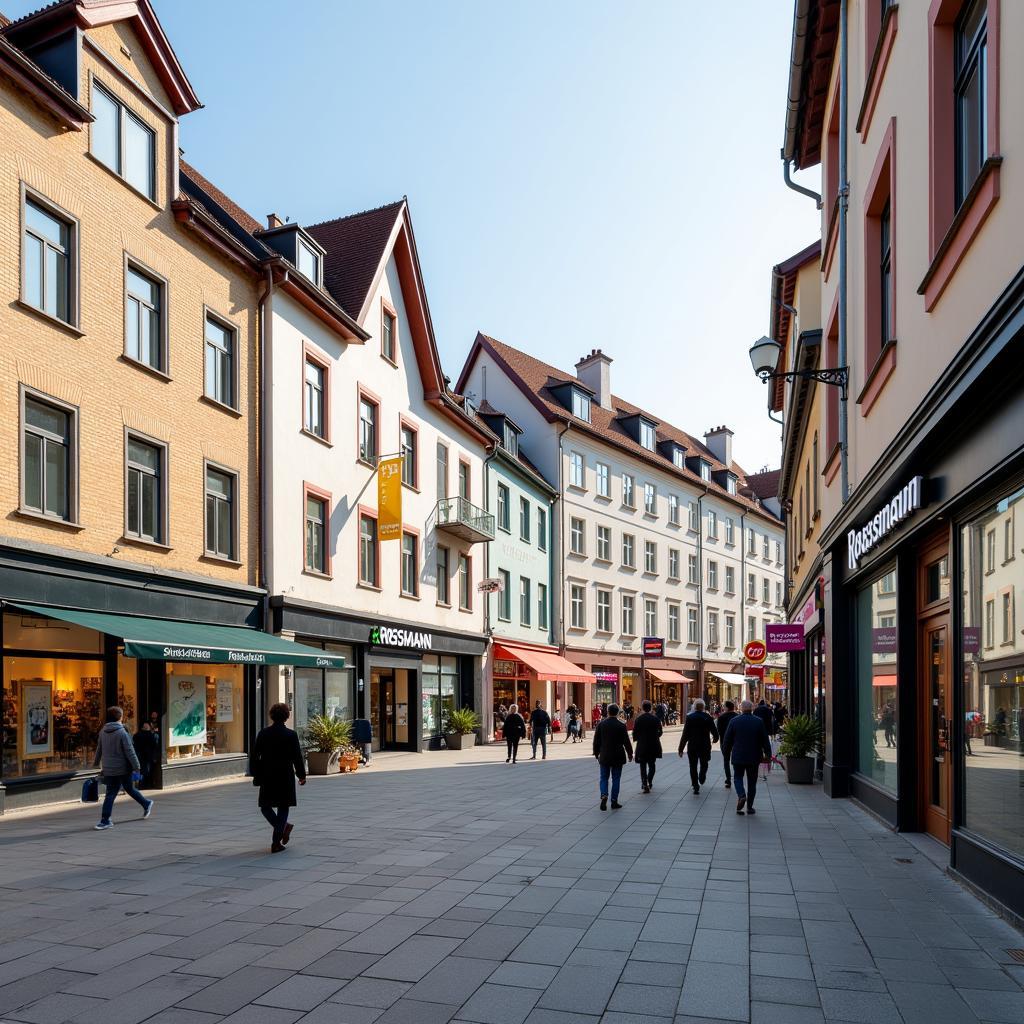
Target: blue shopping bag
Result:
[[90, 791]]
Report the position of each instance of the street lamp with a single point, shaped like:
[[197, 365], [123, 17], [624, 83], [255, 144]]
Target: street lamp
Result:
[[764, 357]]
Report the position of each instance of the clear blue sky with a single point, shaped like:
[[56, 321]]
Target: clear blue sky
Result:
[[581, 173]]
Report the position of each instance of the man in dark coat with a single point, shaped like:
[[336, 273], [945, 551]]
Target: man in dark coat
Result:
[[513, 729], [612, 750], [540, 725], [723, 723], [147, 752], [699, 732], [746, 743], [276, 761], [767, 716], [647, 737]]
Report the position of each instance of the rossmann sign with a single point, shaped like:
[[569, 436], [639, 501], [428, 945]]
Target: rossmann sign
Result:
[[392, 636], [898, 509]]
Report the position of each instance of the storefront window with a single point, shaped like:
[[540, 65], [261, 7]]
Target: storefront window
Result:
[[440, 688], [993, 684], [324, 691], [607, 682], [877, 681], [205, 711]]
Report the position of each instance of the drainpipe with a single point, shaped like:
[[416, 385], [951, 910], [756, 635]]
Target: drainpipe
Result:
[[488, 709], [844, 205], [743, 580], [810, 193], [264, 318], [700, 592]]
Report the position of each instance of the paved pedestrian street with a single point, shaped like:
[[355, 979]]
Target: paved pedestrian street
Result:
[[471, 890]]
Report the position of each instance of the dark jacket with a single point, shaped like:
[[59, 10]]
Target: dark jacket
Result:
[[611, 742], [647, 737], [723, 723], [513, 727], [699, 731], [767, 716], [114, 751], [276, 760], [540, 722], [746, 740], [146, 748]]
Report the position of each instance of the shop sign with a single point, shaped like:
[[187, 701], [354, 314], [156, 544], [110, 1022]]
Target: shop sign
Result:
[[604, 676], [389, 499], [392, 636], [972, 639], [780, 637], [755, 652], [754, 671], [900, 507], [491, 585], [654, 647], [883, 640]]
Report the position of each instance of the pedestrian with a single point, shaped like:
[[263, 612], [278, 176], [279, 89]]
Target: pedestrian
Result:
[[661, 713], [500, 715], [154, 726], [766, 715], [146, 751], [276, 762], [612, 750], [722, 724], [647, 739], [540, 725], [699, 732], [781, 711], [888, 723], [573, 728], [513, 730], [746, 743], [119, 767]]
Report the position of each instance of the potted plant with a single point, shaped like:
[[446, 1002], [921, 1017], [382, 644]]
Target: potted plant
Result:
[[800, 741], [460, 728], [325, 736]]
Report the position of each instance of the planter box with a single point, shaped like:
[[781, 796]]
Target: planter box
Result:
[[800, 770], [458, 741], [320, 763]]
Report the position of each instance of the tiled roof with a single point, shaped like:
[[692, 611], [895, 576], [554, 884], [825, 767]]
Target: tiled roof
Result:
[[537, 378], [355, 246], [250, 223], [765, 484], [228, 214], [4, 22]]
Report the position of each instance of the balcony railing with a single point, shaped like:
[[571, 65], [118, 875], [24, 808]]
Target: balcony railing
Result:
[[462, 518]]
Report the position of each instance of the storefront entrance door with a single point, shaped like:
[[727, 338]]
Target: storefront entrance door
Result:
[[389, 707]]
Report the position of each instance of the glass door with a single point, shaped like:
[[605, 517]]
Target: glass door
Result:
[[938, 714]]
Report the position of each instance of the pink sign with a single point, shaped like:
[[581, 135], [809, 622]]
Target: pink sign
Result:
[[782, 637]]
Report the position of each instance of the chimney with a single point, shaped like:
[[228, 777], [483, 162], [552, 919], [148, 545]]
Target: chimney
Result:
[[719, 442], [273, 221], [594, 371]]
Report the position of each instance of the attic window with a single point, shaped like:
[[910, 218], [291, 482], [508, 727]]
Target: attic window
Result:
[[511, 444], [120, 140], [730, 484], [308, 262], [580, 405], [705, 470], [647, 435], [679, 458]]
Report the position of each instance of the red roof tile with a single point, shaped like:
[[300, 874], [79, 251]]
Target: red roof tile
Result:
[[245, 220], [765, 484]]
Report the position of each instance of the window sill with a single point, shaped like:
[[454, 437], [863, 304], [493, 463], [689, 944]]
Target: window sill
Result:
[[650, 515], [229, 409], [876, 70], [628, 508], [576, 489], [627, 568], [673, 579], [577, 554], [42, 517], [362, 585], [317, 575], [409, 597], [602, 561], [576, 629], [124, 181], [504, 529], [884, 368], [389, 360], [411, 487], [54, 321], [605, 499], [443, 604], [467, 611], [209, 556], [603, 632], [962, 231], [138, 364], [142, 542], [316, 437]]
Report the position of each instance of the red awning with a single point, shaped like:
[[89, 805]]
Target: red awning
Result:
[[666, 675], [883, 681], [544, 664]]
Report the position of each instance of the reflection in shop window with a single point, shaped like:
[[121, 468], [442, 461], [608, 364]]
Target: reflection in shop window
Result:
[[877, 681]]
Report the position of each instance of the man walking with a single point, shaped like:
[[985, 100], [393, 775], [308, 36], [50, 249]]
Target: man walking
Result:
[[699, 732], [767, 716], [276, 761], [746, 742], [612, 750], [540, 723], [119, 766], [723, 723], [647, 737]]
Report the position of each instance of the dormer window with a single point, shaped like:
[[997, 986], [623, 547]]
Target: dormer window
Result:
[[122, 142], [705, 470], [308, 261], [647, 435], [679, 458], [511, 443], [580, 405], [730, 484]]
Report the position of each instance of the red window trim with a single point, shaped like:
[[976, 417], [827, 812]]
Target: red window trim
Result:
[[312, 491], [370, 513], [310, 353], [404, 422], [412, 532], [885, 36], [388, 309], [361, 393]]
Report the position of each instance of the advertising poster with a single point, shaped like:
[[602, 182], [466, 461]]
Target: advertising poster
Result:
[[36, 712], [225, 700], [186, 711], [389, 499]]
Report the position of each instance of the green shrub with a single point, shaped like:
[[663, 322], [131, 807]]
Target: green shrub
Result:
[[801, 737], [327, 735], [462, 721]]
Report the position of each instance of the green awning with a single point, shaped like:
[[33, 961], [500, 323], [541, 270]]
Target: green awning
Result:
[[170, 640]]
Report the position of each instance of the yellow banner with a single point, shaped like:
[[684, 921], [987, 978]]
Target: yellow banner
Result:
[[389, 499]]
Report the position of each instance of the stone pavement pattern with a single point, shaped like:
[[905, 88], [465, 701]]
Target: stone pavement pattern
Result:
[[476, 891]]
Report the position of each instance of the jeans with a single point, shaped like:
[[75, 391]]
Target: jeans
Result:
[[513, 746], [278, 819], [114, 784], [728, 766], [543, 737], [647, 772], [615, 771], [749, 773], [698, 766]]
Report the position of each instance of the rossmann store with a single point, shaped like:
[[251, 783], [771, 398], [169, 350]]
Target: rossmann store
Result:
[[924, 651]]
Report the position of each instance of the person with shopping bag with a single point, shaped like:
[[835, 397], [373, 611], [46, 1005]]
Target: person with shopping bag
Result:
[[119, 767]]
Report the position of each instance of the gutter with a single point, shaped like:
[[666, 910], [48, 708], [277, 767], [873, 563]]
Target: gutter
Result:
[[700, 588]]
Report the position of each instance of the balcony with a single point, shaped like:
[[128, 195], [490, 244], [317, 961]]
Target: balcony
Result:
[[461, 518]]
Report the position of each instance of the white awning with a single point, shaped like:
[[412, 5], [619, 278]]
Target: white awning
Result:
[[732, 678]]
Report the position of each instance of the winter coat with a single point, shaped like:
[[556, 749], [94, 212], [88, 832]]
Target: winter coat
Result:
[[276, 760], [540, 722], [146, 749], [767, 715], [746, 740], [647, 737], [514, 728], [723, 723], [611, 742], [699, 731], [115, 754]]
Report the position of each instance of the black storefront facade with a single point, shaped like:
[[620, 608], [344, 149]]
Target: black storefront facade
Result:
[[924, 618], [402, 676], [808, 690]]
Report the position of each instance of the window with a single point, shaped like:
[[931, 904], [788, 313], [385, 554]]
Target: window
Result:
[[577, 545], [505, 595], [465, 583], [577, 609], [369, 551], [542, 529], [145, 487], [694, 517], [525, 601], [575, 469], [650, 617], [388, 334], [442, 471], [751, 543], [580, 405], [673, 563], [368, 430], [49, 257], [650, 557], [778, 552], [887, 584], [444, 595], [679, 458], [990, 551], [692, 575], [316, 534], [220, 361], [730, 532], [220, 513], [751, 627], [410, 564], [730, 579], [144, 324], [524, 520], [712, 575], [314, 405], [510, 440], [628, 615], [766, 591], [604, 611], [628, 492], [465, 481], [410, 456], [816, 473], [604, 483], [713, 630], [730, 631], [604, 543], [885, 276], [712, 525], [970, 88], [1008, 553], [766, 551], [650, 499], [674, 635], [751, 587], [705, 470], [503, 510], [308, 261], [730, 484], [1006, 605], [647, 435], [778, 593], [629, 551], [123, 143], [542, 605], [691, 625], [673, 509], [990, 624], [47, 484]]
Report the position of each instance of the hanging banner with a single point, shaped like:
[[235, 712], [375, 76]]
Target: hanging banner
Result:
[[389, 499]]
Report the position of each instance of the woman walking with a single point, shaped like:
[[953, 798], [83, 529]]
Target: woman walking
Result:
[[514, 730], [276, 761]]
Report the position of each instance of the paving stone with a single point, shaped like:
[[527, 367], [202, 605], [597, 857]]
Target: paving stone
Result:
[[789, 991], [492, 942], [301, 992], [499, 1004], [996, 1006], [718, 991], [253, 1014], [452, 981], [341, 964], [236, 990], [768, 1013], [644, 972], [849, 1005], [645, 1000], [580, 989], [371, 992], [524, 975], [413, 959], [547, 945], [58, 1006]]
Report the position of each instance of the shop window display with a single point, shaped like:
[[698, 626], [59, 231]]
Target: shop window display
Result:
[[440, 684], [205, 711], [993, 681], [877, 681], [325, 691]]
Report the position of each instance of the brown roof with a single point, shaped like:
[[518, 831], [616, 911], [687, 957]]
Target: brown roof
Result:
[[245, 220], [536, 378], [765, 484], [812, 54], [355, 247]]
